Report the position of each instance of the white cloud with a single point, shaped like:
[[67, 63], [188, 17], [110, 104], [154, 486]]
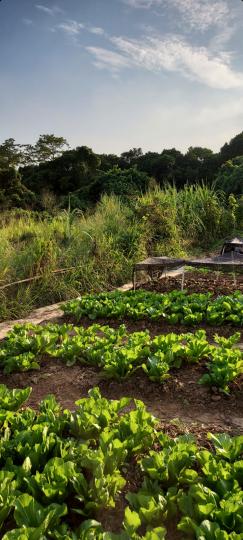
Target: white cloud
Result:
[[71, 27], [54, 10], [96, 30], [174, 54], [105, 58]]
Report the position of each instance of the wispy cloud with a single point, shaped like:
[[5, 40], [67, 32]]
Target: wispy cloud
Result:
[[54, 10], [142, 4], [221, 38], [27, 22], [96, 30], [105, 58], [197, 14], [209, 65], [175, 54], [201, 14], [71, 27]]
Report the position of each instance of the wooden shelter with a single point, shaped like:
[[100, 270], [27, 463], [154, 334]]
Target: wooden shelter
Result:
[[229, 260], [235, 245]]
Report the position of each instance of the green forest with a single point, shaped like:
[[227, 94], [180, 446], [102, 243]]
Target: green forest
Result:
[[49, 174]]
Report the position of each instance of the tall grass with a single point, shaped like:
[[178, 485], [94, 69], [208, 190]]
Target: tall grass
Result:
[[202, 212], [103, 244]]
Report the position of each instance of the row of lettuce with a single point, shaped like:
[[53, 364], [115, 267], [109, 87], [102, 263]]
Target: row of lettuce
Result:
[[120, 354], [176, 307], [61, 470]]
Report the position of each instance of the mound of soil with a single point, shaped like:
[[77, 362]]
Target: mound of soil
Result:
[[195, 281], [160, 326], [193, 407]]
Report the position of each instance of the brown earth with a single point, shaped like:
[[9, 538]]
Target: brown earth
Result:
[[197, 281], [196, 408]]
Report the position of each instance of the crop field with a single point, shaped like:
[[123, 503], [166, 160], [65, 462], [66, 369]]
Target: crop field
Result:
[[123, 420], [175, 307], [62, 467]]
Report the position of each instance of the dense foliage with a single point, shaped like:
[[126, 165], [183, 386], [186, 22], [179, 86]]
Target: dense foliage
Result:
[[60, 469], [49, 172], [230, 176]]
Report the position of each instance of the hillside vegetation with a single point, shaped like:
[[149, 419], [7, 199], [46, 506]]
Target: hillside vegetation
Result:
[[103, 244]]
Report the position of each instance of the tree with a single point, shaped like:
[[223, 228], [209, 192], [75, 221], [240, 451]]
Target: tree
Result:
[[129, 158], [10, 154], [232, 149], [28, 156], [12, 191], [198, 153], [49, 147], [74, 171], [127, 182], [108, 161], [230, 176], [199, 164], [159, 166]]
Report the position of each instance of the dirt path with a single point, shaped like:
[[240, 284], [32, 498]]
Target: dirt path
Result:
[[47, 313]]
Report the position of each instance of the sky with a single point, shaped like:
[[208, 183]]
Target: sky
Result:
[[118, 74]]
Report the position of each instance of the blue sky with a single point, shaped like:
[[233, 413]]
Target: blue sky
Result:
[[117, 74]]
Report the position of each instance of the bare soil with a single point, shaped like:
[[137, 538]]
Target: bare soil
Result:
[[180, 399], [217, 283]]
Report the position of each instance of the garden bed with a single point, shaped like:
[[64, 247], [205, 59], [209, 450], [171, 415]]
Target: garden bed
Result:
[[218, 283], [180, 397], [159, 326], [182, 406], [65, 479]]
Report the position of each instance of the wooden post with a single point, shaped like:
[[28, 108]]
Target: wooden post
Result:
[[134, 278]]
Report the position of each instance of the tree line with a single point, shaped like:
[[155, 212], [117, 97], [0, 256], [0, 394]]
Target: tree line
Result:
[[51, 174]]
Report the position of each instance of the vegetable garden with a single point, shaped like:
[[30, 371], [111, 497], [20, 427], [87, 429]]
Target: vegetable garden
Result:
[[103, 466], [174, 307]]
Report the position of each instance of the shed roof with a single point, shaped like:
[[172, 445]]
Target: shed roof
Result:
[[234, 242]]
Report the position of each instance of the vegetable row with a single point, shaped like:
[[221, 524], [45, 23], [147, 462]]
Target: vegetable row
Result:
[[173, 307], [60, 470], [119, 354]]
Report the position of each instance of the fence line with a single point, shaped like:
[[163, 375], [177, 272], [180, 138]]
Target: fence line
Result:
[[39, 276]]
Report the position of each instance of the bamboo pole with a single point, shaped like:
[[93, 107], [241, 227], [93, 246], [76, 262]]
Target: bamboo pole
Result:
[[39, 276]]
